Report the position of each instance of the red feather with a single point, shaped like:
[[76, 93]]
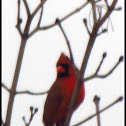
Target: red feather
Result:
[[59, 95]]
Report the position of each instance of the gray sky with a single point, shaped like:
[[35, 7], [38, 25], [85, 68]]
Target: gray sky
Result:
[[38, 70]]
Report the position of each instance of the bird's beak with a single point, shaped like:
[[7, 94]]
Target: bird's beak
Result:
[[60, 69]]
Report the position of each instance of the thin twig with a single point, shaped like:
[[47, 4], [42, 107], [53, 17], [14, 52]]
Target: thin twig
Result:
[[40, 18], [19, 20], [31, 93], [27, 7], [38, 7], [95, 75], [104, 109], [103, 57], [61, 20], [96, 101], [24, 92], [33, 111], [85, 22], [106, 2], [5, 87], [94, 11], [67, 41], [103, 31]]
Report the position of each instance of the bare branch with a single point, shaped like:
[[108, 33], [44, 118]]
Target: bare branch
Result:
[[103, 31], [94, 11], [61, 20], [14, 83], [104, 109], [91, 42], [95, 75], [19, 20], [106, 2], [103, 57], [27, 7], [38, 7], [31, 93], [85, 22], [40, 18], [67, 41], [24, 92], [96, 101], [5, 87], [33, 112]]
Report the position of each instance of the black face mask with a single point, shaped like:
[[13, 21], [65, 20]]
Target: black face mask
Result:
[[63, 74]]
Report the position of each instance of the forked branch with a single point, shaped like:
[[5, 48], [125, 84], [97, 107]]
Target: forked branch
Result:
[[104, 109]]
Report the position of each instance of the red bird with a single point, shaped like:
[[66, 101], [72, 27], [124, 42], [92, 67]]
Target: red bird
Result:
[[59, 95]]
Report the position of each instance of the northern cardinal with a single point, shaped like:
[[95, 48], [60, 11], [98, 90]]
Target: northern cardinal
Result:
[[59, 95]]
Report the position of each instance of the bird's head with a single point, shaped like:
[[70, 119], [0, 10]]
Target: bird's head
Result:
[[64, 66]]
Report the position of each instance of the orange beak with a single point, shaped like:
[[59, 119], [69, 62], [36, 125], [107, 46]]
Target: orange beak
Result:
[[60, 69]]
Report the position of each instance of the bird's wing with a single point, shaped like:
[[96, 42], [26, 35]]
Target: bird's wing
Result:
[[53, 101]]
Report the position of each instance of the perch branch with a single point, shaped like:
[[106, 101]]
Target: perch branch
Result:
[[104, 109]]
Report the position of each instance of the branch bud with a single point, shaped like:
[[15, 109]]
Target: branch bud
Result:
[[57, 21], [104, 54], [85, 20], [121, 58], [96, 98], [31, 108], [36, 110]]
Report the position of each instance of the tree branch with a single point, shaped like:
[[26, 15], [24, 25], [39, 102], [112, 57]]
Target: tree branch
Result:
[[27, 7], [91, 42], [40, 18], [96, 75], [32, 112], [38, 7], [94, 11], [19, 20], [67, 41], [104, 109], [61, 20], [5, 87], [96, 101], [31, 93], [85, 23], [93, 76]]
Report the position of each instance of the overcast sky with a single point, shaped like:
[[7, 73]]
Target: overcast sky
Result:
[[38, 71]]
